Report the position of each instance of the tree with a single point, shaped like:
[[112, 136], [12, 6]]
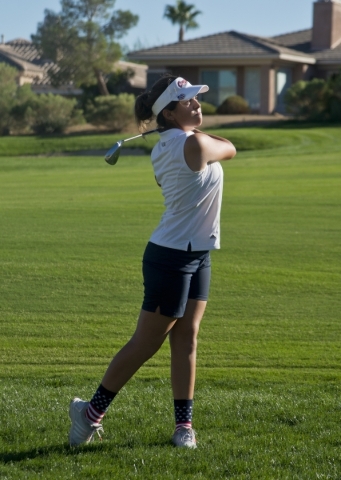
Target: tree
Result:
[[81, 40], [309, 99], [334, 101], [317, 99], [183, 15], [114, 111], [8, 88]]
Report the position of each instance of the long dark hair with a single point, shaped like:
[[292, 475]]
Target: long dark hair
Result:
[[144, 102]]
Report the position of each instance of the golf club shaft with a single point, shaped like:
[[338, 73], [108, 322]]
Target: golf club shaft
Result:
[[141, 135], [112, 155]]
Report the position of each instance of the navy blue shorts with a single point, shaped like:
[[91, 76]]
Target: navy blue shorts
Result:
[[172, 276]]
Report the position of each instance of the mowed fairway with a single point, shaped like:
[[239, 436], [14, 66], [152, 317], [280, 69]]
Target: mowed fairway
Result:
[[268, 397]]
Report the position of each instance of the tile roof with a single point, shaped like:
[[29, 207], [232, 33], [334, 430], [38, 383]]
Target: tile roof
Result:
[[26, 57], [221, 45], [234, 44], [218, 44], [7, 53], [300, 40], [329, 56], [25, 49], [279, 47]]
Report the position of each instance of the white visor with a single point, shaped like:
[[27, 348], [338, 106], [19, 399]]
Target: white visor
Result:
[[178, 90]]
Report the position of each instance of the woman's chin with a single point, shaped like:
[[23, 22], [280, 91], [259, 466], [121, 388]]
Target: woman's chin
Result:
[[198, 119]]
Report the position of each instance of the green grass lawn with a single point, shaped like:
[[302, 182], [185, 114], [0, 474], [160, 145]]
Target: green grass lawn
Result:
[[268, 397], [285, 136]]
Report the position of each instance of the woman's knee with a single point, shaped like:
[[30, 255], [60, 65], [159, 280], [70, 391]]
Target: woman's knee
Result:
[[184, 340], [145, 348]]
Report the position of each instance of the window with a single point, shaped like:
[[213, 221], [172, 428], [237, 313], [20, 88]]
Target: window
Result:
[[222, 83], [153, 75], [283, 82], [252, 87]]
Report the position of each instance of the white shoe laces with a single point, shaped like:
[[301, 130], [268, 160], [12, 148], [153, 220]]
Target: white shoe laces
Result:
[[97, 428], [187, 434]]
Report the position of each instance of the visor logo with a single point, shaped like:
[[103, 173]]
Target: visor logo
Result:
[[182, 83], [181, 96]]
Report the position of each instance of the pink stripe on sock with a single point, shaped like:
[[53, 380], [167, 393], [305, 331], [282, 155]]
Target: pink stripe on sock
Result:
[[94, 415], [183, 424]]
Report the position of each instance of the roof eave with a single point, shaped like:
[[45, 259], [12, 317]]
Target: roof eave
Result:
[[21, 64], [218, 59], [335, 61], [297, 58]]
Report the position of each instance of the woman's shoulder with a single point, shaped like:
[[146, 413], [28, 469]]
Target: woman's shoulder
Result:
[[195, 145]]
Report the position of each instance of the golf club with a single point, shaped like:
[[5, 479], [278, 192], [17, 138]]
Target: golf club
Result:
[[112, 155]]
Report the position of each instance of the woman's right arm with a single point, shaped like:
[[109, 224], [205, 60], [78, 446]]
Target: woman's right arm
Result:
[[201, 149]]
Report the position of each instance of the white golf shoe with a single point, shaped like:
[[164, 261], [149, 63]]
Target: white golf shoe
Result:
[[184, 437], [81, 431]]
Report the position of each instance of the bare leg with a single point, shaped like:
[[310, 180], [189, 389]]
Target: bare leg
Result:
[[183, 342], [151, 331]]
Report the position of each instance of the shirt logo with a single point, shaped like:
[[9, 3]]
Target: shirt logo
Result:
[[182, 83]]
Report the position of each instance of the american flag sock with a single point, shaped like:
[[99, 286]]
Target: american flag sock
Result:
[[99, 404], [183, 410]]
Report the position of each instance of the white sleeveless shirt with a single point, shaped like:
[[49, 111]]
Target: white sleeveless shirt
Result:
[[192, 199]]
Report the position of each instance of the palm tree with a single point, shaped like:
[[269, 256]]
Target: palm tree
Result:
[[183, 15]]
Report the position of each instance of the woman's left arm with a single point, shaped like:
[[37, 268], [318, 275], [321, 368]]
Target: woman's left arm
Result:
[[201, 149]]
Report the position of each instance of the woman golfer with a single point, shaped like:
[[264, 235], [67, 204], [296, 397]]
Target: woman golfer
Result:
[[176, 262]]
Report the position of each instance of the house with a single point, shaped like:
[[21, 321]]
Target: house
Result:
[[138, 83], [34, 69], [260, 69]]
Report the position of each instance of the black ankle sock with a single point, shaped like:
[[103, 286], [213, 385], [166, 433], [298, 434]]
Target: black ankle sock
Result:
[[102, 399], [183, 410]]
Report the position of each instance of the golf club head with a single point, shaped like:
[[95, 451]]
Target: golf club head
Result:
[[112, 155]]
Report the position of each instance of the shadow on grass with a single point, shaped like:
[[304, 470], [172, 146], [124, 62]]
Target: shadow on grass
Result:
[[278, 125], [285, 125], [11, 457], [113, 448]]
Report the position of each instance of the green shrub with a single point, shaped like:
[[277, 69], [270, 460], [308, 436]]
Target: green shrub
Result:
[[208, 108], [335, 109], [334, 102], [42, 114], [22, 113], [8, 89], [112, 111], [51, 113], [233, 105], [117, 82], [308, 99]]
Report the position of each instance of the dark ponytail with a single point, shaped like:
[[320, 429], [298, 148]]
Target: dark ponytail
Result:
[[144, 102]]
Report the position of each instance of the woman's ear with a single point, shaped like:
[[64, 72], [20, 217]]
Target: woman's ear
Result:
[[168, 115]]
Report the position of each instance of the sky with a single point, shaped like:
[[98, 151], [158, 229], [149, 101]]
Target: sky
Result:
[[19, 18]]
